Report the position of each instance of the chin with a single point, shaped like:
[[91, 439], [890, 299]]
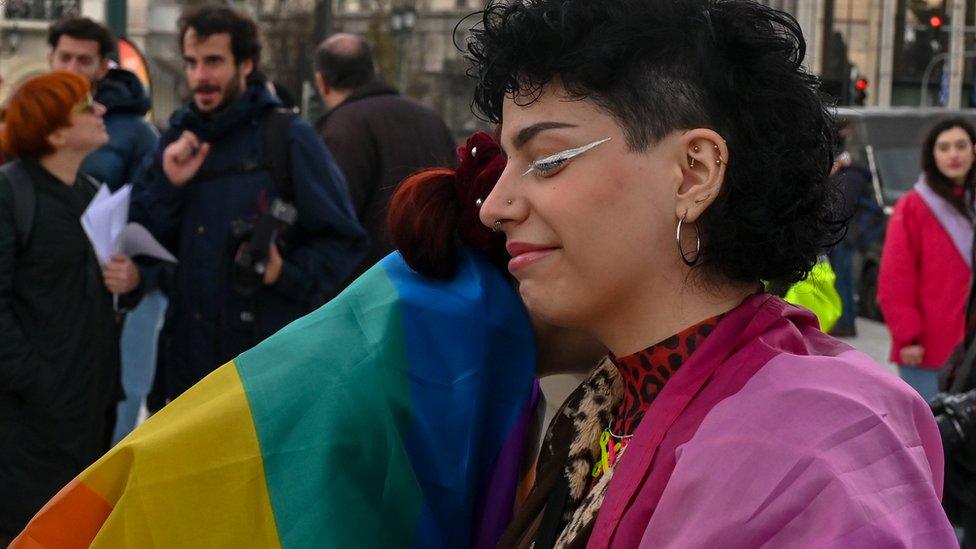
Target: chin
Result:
[[549, 306]]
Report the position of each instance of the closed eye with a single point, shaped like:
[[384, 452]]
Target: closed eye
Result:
[[550, 165], [547, 166]]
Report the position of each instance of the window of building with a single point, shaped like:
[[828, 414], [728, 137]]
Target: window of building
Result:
[[44, 10]]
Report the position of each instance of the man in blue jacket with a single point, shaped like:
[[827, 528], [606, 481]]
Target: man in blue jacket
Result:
[[81, 45], [211, 173]]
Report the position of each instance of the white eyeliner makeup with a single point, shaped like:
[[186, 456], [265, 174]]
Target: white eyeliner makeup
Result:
[[554, 160]]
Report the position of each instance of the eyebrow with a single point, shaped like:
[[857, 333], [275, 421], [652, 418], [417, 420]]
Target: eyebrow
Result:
[[528, 133]]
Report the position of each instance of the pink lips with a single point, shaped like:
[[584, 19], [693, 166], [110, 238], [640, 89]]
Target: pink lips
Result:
[[524, 254]]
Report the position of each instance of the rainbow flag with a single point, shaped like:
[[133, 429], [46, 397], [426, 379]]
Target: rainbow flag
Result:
[[395, 415]]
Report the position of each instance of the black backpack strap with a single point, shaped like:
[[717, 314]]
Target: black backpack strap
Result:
[[277, 152], [25, 200], [277, 157]]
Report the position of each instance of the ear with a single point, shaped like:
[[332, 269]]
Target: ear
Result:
[[102, 69], [321, 84], [50, 59], [57, 139], [703, 172], [247, 67]]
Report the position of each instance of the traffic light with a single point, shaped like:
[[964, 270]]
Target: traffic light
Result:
[[860, 92], [936, 21]]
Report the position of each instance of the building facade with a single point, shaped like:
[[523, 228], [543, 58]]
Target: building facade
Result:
[[868, 52], [890, 52]]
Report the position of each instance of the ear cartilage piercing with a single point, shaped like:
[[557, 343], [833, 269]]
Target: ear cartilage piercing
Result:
[[692, 164]]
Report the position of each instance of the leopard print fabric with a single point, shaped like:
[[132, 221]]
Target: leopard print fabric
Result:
[[644, 373], [571, 444], [589, 415], [639, 379]]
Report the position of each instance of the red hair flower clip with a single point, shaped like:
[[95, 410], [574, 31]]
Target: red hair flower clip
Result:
[[480, 164]]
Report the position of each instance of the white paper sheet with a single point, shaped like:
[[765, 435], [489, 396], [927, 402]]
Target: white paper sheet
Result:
[[106, 223], [135, 240]]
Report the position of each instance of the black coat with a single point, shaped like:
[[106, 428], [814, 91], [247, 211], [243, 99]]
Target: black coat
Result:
[[59, 355], [207, 322], [380, 137]]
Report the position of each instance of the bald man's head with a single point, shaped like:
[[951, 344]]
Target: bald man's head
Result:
[[345, 61]]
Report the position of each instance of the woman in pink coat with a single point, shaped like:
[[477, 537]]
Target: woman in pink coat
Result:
[[925, 265]]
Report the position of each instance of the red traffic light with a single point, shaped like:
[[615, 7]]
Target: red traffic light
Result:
[[861, 84], [935, 21]]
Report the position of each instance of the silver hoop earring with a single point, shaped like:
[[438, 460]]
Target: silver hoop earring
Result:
[[684, 257]]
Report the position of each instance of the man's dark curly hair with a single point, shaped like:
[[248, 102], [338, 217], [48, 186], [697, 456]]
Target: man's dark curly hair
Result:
[[82, 28], [210, 19], [658, 66]]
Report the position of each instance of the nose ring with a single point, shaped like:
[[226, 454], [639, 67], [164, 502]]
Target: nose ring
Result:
[[497, 226]]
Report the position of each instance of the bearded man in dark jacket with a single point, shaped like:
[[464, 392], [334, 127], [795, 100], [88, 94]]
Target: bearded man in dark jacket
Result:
[[210, 172], [378, 136]]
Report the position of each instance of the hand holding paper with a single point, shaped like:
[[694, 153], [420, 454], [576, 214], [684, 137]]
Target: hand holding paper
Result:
[[115, 241], [121, 275]]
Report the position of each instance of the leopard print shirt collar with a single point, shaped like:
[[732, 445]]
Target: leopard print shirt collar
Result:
[[644, 373]]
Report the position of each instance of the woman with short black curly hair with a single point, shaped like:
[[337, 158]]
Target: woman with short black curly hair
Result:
[[664, 157]]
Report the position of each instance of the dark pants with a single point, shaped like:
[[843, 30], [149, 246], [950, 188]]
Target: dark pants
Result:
[[841, 260]]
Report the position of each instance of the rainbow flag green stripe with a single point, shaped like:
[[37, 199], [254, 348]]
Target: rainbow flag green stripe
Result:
[[322, 468], [387, 418]]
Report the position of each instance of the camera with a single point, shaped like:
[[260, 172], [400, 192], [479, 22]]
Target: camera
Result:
[[955, 414], [250, 243]]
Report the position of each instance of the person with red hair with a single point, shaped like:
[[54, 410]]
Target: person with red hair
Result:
[[59, 361]]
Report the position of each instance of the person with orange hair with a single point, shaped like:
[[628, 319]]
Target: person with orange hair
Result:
[[59, 361]]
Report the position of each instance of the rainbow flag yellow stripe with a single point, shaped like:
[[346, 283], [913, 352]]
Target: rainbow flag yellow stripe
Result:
[[179, 484]]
